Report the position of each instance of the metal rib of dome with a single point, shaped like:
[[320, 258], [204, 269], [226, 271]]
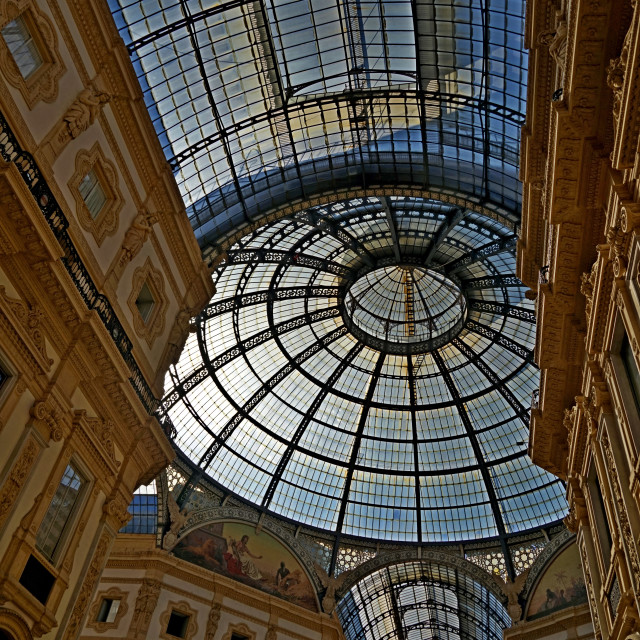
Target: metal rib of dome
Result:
[[285, 406], [259, 102]]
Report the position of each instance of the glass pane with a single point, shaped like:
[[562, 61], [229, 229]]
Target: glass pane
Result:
[[59, 512], [92, 193], [22, 46]]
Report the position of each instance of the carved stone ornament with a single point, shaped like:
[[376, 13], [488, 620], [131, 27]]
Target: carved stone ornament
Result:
[[183, 608], [145, 606], [570, 520], [136, 236], [151, 327], [181, 329], [112, 594], [569, 419], [103, 430], [178, 518], [331, 585], [105, 223], [213, 620], [45, 413], [88, 585], [84, 110], [42, 83], [272, 634], [30, 318], [16, 477], [557, 43], [116, 507]]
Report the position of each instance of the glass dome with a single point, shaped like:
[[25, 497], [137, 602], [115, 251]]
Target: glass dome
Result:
[[366, 368], [408, 307]]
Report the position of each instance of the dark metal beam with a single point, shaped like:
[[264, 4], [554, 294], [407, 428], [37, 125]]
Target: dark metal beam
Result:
[[292, 257], [487, 250], [447, 225], [491, 282], [330, 226], [414, 430], [502, 340], [392, 228], [259, 297], [304, 423], [204, 77], [219, 439], [347, 97], [521, 411], [477, 450], [503, 309], [364, 413], [241, 348]]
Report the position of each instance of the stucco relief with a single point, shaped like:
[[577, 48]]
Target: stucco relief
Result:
[[105, 223]]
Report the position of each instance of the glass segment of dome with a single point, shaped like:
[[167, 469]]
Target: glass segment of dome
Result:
[[260, 103], [279, 400]]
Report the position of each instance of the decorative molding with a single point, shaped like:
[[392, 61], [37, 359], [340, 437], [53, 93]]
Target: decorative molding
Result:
[[240, 629], [30, 318], [154, 325], [12, 623], [593, 603], [42, 84], [106, 221], [557, 544], [145, 606], [88, 585], [113, 594], [14, 482], [183, 608]]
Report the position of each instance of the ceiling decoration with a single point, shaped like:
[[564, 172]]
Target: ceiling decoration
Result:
[[366, 368]]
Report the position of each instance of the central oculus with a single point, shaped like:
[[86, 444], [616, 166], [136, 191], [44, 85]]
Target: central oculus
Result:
[[405, 309]]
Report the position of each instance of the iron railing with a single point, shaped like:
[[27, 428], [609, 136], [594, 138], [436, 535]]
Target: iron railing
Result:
[[10, 151]]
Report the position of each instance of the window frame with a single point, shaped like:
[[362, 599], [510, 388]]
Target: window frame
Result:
[[42, 83], [23, 19], [106, 220], [60, 547]]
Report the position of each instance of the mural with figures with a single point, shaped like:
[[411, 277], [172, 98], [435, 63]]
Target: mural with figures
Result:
[[235, 550], [561, 586]]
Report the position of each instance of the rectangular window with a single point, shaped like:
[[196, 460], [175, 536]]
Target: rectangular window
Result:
[[59, 514], [92, 193], [631, 369], [37, 579], [22, 46], [178, 624], [600, 515], [108, 610]]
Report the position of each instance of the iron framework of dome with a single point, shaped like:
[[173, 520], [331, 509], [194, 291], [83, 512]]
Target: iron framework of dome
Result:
[[389, 132], [369, 433]]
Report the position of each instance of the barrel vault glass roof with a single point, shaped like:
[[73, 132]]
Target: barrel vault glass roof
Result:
[[258, 103]]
